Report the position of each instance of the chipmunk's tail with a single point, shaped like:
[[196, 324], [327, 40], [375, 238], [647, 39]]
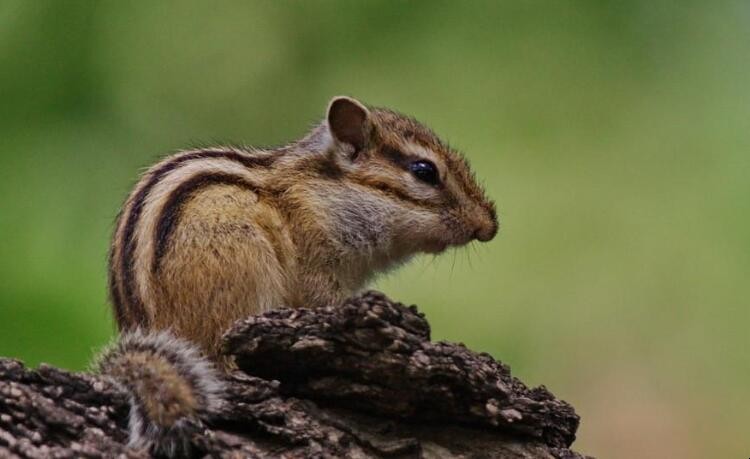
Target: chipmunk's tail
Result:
[[171, 387]]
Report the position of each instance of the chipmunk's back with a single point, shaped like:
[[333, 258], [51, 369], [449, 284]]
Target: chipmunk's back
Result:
[[196, 241]]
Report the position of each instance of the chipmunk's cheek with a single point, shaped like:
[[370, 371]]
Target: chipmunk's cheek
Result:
[[454, 230], [429, 234]]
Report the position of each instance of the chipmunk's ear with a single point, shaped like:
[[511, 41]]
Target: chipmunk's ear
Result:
[[349, 121]]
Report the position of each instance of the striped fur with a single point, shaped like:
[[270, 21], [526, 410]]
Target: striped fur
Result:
[[209, 236], [128, 304]]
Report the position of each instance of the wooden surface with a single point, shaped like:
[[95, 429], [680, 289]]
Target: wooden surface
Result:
[[362, 380]]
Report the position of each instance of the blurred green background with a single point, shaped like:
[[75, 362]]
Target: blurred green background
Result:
[[614, 137]]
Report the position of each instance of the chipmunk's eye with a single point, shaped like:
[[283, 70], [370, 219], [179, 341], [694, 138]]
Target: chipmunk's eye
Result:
[[425, 171]]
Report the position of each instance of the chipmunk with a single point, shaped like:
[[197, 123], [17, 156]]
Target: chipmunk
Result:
[[213, 235]]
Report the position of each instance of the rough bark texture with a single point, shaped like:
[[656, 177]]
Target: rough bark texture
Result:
[[360, 380]]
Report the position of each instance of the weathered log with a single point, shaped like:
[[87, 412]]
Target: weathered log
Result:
[[360, 380]]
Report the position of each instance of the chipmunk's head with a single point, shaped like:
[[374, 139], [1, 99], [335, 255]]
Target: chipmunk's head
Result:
[[411, 190]]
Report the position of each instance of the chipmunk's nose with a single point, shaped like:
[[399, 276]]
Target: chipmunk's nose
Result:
[[487, 225], [485, 234]]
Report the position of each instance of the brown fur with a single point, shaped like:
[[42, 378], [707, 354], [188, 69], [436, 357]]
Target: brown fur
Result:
[[308, 224], [172, 389], [166, 394]]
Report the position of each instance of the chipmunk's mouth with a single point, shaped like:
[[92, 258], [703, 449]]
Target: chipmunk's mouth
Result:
[[436, 247]]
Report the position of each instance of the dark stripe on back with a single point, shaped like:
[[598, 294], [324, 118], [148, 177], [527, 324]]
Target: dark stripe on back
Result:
[[170, 212], [128, 244], [114, 290]]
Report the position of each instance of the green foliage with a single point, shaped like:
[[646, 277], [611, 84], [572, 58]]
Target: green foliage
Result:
[[614, 137]]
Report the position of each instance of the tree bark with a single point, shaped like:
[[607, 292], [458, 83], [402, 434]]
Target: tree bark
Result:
[[361, 380]]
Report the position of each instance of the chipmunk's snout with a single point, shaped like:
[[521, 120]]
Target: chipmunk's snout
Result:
[[486, 225], [485, 234]]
